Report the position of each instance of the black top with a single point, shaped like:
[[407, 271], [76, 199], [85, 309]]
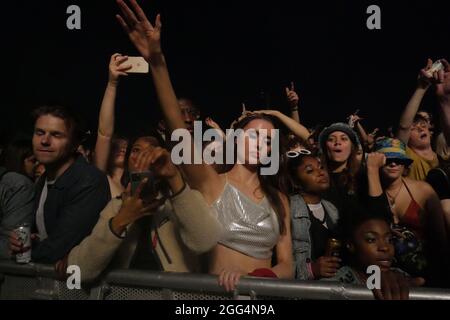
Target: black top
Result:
[[319, 234], [71, 209], [347, 201]]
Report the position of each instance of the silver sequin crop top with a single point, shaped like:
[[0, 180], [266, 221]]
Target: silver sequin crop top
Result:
[[250, 228]]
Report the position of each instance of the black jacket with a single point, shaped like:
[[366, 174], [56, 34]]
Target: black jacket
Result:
[[71, 209]]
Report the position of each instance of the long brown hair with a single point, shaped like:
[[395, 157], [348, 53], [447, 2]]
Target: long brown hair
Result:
[[271, 185], [349, 177], [115, 145]]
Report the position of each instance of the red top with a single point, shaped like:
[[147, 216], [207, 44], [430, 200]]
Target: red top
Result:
[[411, 218]]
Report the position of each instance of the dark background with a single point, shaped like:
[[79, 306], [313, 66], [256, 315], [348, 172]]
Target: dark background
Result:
[[222, 53]]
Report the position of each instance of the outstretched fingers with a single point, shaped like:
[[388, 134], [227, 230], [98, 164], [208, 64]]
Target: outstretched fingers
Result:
[[123, 23], [128, 14], [158, 24], [139, 188], [140, 13]]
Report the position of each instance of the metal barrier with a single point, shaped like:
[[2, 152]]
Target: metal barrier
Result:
[[36, 281]]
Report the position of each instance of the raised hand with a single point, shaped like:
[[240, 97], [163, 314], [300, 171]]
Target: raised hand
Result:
[[374, 132], [292, 96], [160, 163], [371, 138], [353, 119], [145, 37], [375, 160], [211, 123], [443, 85], [117, 67], [426, 78]]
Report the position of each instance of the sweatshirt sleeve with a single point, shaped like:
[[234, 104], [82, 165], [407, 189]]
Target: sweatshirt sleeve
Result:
[[198, 226], [95, 252]]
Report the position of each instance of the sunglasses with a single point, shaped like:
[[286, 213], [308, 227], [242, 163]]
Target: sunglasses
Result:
[[396, 161], [296, 153]]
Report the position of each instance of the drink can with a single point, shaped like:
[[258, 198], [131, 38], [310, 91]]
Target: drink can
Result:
[[23, 233], [333, 248]]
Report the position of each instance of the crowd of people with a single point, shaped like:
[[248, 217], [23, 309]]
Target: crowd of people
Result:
[[384, 198]]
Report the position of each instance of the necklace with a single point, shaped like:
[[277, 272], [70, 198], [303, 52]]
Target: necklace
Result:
[[391, 199]]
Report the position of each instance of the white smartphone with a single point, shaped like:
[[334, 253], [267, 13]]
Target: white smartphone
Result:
[[437, 66], [138, 65]]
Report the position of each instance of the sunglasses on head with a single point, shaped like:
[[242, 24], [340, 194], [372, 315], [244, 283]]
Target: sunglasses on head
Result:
[[296, 153]]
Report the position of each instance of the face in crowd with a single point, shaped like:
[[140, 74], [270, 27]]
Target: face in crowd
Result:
[[52, 140], [119, 152], [257, 141], [372, 245], [420, 136], [393, 169], [339, 147], [140, 145], [189, 112], [312, 176]]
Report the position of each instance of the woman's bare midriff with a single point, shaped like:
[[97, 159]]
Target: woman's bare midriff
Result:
[[225, 258]]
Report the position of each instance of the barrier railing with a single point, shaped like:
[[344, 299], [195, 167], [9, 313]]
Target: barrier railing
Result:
[[36, 281]]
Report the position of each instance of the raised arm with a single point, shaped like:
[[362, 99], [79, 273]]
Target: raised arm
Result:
[[212, 124], [198, 226], [375, 161], [146, 39], [293, 100], [105, 132], [407, 117], [443, 94], [295, 127]]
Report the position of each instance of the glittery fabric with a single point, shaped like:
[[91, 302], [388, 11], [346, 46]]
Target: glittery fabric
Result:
[[250, 228]]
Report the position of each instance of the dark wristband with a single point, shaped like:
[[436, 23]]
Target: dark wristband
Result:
[[112, 231], [181, 190]]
